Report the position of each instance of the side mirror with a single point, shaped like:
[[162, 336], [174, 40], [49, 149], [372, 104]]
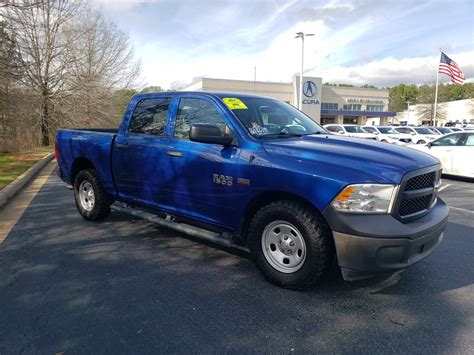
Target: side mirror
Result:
[[340, 132], [413, 133], [429, 144], [208, 133], [376, 132]]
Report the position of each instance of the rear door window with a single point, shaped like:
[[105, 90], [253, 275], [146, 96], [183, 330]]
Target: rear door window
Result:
[[150, 116]]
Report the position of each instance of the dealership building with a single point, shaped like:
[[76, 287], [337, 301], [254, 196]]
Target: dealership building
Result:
[[323, 103]]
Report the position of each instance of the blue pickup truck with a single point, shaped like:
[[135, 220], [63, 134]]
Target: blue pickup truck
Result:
[[247, 170]]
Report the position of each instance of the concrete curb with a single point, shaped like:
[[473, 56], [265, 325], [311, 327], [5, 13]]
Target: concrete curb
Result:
[[12, 189]]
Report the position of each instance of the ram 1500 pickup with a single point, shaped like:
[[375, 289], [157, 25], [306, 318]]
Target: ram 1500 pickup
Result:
[[251, 170]]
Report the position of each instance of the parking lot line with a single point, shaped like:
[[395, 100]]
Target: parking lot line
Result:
[[444, 187], [461, 209]]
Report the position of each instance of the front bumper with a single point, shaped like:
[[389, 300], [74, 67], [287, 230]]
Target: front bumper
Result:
[[370, 244]]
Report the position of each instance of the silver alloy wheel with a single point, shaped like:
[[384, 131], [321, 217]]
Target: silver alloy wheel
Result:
[[283, 246], [86, 195]]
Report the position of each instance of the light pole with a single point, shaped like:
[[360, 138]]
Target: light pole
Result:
[[302, 36]]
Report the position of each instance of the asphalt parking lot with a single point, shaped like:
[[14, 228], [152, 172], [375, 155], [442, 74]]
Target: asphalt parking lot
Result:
[[68, 285]]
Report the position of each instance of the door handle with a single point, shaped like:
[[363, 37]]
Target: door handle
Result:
[[122, 146], [174, 154]]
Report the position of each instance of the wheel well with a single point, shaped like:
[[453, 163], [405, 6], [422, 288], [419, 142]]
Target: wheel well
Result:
[[264, 199], [78, 165]]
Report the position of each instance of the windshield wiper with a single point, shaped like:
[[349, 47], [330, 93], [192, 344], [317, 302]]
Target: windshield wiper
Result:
[[280, 135]]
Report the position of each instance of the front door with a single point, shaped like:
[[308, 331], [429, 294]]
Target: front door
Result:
[[199, 178]]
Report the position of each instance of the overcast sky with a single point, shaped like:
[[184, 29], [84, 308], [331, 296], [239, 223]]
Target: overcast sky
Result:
[[375, 42]]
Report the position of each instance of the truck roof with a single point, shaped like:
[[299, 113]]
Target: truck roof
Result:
[[219, 95]]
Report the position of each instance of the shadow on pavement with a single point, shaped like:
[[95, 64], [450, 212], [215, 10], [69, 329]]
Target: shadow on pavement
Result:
[[123, 286]]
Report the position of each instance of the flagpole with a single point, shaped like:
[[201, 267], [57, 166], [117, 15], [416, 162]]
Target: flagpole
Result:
[[436, 94]]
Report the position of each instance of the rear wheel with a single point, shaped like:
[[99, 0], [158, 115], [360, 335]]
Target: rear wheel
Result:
[[291, 244], [92, 201]]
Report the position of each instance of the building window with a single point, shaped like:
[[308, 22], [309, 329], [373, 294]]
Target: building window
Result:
[[329, 106], [377, 108], [351, 120], [353, 107], [328, 120]]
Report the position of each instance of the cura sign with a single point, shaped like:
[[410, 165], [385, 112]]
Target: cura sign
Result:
[[310, 90]]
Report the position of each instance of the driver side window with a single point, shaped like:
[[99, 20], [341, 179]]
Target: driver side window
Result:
[[447, 141], [194, 111]]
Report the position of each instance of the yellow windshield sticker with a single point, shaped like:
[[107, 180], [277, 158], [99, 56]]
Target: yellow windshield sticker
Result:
[[234, 103]]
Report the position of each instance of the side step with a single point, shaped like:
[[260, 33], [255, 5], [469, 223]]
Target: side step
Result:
[[224, 239]]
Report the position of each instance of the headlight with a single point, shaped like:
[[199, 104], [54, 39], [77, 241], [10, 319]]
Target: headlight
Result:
[[365, 198]]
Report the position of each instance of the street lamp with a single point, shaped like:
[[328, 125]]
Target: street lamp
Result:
[[302, 36]]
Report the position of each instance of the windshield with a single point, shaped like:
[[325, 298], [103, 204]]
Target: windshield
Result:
[[444, 130], [387, 130], [423, 130], [266, 118], [354, 129]]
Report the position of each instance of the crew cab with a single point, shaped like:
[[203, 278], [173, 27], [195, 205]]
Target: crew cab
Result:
[[252, 171]]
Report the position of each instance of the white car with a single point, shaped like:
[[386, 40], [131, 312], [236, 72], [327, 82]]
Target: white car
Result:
[[455, 151], [349, 130], [419, 135], [441, 130], [388, 134]]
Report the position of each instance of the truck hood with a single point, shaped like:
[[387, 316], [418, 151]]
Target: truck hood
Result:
[[347, 159]]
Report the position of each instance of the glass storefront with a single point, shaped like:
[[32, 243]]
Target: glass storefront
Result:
[[328, 120], [351, 120]]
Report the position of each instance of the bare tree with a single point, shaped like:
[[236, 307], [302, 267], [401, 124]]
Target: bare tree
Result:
[[427, 96], [102, 61], [43, 50]]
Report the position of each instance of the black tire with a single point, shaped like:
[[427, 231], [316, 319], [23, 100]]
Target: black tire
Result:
[[383, 141], [102, 201], [317, 237], [421, 142]]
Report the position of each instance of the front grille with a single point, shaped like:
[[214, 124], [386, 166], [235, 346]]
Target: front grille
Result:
[[415, 205], [417, 194], [421, 182]]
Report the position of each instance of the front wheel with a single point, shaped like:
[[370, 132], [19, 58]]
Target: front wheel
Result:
[[92, 201], [291, 244], [421, 142]]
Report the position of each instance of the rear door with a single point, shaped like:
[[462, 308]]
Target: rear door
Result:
[[138, 153], [199, 178]]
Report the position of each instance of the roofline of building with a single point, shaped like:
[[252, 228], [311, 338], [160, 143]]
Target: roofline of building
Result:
[[280, 83]]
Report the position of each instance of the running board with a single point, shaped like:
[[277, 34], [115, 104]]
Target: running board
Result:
[[224, 239]]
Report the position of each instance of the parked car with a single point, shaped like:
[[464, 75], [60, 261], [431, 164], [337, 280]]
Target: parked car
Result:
[[420, 135], [455, 151], [350, 130], [242, 169], [388, 134], [441, 130]]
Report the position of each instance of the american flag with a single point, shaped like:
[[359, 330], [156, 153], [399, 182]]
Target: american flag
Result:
[[449, 67]]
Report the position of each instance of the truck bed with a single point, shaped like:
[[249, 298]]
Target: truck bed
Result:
[[87, 146]]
